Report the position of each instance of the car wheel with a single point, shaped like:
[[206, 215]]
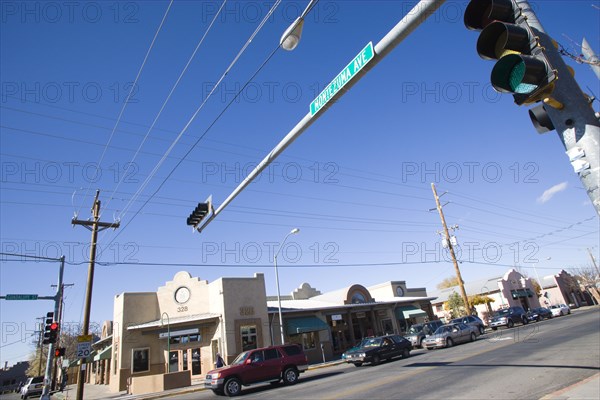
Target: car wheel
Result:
[[357, 364], [449, 342], [539, 319], [473, 337], [481, 330], [510, 324], [561, 313], [494, 328], [232, 387], [525, 321], [421, 343], [290, 376], [376, 360], [405, 353]]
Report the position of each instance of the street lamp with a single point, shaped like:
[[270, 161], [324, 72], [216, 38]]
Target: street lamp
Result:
[[291, 37], [292, 232], [168, 337]]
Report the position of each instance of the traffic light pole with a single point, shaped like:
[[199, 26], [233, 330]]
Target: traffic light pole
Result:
[[419, 14], [50, 359], [95, 226], [571, 114]]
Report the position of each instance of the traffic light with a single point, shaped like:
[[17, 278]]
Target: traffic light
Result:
[[59, 352], [199, 213], [50, 329], [523, 68]]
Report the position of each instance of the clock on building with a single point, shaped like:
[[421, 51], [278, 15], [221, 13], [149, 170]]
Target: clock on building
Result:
[[182, 295], [399, 291]]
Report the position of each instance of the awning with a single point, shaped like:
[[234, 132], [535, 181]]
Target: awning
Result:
[[105, 354], [305, 324], [405, 312]]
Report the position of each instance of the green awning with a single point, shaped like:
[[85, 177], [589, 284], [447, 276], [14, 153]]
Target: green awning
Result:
[[405, 312], [293, 326], [105, 354], [519, 293]]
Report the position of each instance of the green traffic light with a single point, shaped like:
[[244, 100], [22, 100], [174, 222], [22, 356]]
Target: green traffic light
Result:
[[519, 74]]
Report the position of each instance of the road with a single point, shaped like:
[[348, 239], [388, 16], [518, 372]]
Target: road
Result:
[[520, 363]]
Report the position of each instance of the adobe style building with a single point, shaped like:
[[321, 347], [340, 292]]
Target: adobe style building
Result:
[[170, 337]]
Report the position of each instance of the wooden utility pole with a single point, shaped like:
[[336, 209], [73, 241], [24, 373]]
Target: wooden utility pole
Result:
[[95, 226], [461, 284]]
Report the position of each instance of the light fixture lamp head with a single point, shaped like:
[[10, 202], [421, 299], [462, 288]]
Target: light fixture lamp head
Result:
[[291, 37]]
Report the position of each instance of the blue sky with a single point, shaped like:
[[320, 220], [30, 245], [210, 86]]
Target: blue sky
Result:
[[357, 183]]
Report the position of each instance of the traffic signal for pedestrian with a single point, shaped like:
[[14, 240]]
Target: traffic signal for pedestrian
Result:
[[199, 213], [523, 68], [59, 352]]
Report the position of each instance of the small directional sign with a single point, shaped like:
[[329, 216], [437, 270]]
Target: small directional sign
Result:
[[21, 297]]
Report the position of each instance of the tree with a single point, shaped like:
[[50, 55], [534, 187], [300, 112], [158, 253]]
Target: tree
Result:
[[455, 305], [448, 282]]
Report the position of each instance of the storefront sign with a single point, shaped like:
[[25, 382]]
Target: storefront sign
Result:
[[182, 332], [361, 314], [336, 317]]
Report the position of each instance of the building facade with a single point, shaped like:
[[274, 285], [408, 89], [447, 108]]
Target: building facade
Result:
[[170, 337]]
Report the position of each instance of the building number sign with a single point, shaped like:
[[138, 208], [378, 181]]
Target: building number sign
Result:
[[246, 310]]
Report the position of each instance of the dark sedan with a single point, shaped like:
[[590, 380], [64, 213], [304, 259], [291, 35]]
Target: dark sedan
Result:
[[374, 350], [538, 314]]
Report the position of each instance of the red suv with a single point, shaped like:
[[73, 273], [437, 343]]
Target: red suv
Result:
[[268, 364]]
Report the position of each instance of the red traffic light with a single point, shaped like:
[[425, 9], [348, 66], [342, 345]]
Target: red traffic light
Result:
[[54, 326]]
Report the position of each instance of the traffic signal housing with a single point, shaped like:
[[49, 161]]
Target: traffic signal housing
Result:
[[199, 213], [59, 352], [523, 68], [50, 329]]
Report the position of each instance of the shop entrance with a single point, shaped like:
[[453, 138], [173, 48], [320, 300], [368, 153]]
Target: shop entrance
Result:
[[185, 359]]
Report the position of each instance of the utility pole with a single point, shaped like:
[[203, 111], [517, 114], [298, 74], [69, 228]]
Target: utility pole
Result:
[[591, 57], [451, 248], [95, 226]]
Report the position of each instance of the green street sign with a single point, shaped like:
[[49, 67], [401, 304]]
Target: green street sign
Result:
[[342, 78], [21, 297]]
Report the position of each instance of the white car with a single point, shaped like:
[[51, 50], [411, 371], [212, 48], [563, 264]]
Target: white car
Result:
[[32, 387], [558, 310]]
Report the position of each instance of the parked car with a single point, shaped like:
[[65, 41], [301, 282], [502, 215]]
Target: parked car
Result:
[[538, 314], [376, 349], [508, 317], [33, 386], [449, 335], [268, 364], [471, 320], [558, 310], [418, 332]]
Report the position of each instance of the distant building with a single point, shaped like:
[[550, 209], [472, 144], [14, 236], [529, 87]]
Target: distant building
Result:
[[562, 288], [512, 289], [12, 377]]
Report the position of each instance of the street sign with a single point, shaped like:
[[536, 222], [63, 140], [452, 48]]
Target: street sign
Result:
[[21, 297], [84, 346], [342, 78]]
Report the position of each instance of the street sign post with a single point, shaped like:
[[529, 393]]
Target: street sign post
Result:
[[21, 297], [342, 78]]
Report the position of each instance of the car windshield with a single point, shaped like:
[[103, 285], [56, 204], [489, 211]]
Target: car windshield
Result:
[[240, 358], [501, 313], [374, 342], [415, 329], [442, 329]]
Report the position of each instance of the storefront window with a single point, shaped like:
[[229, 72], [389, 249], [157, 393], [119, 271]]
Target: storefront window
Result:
[[174, 361], [387, 326], [196, 361], [358, 297], [307, 340], [140, 360], [248, 335]]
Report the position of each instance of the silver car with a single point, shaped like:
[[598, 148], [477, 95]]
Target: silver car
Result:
[[449, 335]]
